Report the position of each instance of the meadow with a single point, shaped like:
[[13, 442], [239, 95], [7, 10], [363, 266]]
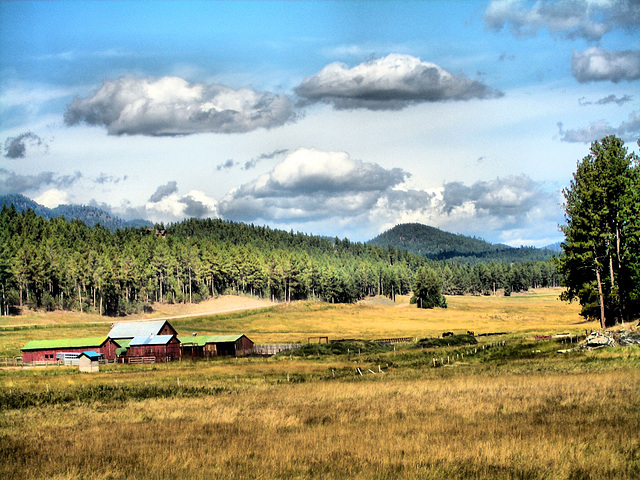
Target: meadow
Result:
[[508, 407]]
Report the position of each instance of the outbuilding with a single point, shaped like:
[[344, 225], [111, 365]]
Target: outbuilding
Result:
[[216, 345], [52, 350], [89, 361], [121, 330], [163, 348]]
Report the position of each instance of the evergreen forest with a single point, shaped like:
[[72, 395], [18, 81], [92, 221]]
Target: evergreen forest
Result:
[[59, 264]]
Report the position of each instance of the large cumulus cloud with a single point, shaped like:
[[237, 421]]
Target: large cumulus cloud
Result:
[[508, 198], [167, 205], [173, 106], [586, 19], [318, 190], [389, 83], [517, 207], [309, 185], [596, 64]]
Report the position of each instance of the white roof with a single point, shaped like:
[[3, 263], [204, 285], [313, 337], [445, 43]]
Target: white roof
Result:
[[151, 340], [136, 329]]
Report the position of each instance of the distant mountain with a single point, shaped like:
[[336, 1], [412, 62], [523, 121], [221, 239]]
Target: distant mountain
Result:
[[554, 247], [89, 215], [436, 244]]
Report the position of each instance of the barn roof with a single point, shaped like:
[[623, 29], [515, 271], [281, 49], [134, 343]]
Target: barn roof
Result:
[[123, 342], [136, 329], [204, 339], [89, 342], [150, 340], [91, 354]]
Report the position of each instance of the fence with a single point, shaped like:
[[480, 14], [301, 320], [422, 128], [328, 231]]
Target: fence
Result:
[[389, 341], [11, 361], [141, 360], [273, 349]]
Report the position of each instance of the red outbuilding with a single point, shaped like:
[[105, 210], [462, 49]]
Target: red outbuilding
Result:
[[53, 350], [163, 348]]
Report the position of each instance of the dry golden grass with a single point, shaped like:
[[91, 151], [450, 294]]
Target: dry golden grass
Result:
[[537, 312], [514, 412], [465, 426]]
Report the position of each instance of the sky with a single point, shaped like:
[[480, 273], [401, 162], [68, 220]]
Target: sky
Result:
[[331, 118]]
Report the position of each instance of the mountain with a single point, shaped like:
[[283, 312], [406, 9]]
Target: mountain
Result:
[[554, 247], [436, 244], [89, 215]]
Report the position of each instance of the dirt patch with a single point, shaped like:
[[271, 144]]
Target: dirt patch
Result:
[[378, 300], [222, 304]]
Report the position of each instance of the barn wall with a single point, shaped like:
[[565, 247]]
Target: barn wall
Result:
[[167, 329], [246, 345], [160, 352]]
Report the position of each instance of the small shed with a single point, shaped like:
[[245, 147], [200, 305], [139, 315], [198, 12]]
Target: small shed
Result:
[[89, 361]]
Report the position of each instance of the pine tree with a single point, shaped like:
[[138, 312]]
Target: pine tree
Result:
[[599, 260], [427, 289]]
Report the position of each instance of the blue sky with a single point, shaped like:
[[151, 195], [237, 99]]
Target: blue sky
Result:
[[332, 118]]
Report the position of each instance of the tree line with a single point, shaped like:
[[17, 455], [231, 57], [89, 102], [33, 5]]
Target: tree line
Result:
[[58, 264]]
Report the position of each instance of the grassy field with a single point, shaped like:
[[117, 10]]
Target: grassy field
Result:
[[508, 407], [537, 312]]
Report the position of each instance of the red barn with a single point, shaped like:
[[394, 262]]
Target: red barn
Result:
[[48, 350], [163, 348], [141, 329], [217, 345]]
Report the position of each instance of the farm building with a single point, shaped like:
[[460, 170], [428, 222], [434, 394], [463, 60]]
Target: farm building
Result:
[[216, 345], [89, 361], [141, 329], [50, 350], [163, 347], [156, 340]]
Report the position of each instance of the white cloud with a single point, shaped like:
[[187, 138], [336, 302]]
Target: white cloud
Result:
[[628, 131], [173, 106], [174, 207], [311, 189], [596, 64], [389, 83], [52, 198], [589, 19], [312, 184]]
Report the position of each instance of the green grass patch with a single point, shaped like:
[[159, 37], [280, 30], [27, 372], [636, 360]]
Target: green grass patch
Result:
[[338, 347], [450, 341]]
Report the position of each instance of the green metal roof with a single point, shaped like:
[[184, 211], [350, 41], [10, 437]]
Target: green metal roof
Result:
[[65, 343], [202, 340], [123, 342]]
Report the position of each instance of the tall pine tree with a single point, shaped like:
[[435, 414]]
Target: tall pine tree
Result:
[[599, 258]]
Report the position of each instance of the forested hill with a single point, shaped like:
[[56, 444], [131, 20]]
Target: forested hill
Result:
[[436, 244], [88, 215], [65, 264]]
